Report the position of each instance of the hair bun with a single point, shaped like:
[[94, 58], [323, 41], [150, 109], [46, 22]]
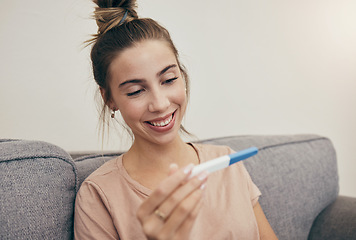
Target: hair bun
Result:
[[112, 13]]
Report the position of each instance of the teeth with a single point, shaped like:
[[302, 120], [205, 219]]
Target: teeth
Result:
[[162, 123]]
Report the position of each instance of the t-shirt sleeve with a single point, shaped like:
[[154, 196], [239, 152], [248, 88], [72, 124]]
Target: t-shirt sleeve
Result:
[[254, 192], [92, 219]]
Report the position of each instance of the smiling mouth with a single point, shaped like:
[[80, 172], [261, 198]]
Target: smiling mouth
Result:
[[162, 123]]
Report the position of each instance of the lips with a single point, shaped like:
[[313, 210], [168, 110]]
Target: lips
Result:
[[162, 124]]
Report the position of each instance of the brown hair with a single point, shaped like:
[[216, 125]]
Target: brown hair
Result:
[[119, 28]]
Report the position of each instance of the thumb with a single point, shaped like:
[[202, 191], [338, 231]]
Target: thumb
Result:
[[172, 168]]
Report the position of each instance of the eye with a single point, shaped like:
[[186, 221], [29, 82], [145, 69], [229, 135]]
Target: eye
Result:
[[135, 93], [170, 81]]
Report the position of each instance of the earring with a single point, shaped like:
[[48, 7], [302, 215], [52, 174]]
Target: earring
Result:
[[113, 113]]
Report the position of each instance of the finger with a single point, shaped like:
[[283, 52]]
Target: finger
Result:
[[185, 228], [154, 222], [163, 191], [182, 192], [152, 226], [185, 211]]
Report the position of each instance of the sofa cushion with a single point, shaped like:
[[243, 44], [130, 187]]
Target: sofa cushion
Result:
[[37, 191], [297, 175], [337, 221]]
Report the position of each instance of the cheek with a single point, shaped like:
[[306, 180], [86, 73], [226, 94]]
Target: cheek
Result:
[[180, 98], [131, 111]]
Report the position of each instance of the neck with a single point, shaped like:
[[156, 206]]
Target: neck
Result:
[[148, 163], [158, 155]]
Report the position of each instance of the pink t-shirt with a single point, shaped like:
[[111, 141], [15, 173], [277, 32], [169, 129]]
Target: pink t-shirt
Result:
[[108, 199]]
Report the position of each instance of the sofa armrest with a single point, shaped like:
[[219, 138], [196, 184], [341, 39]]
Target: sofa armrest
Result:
[[337, 221], [38, 183]]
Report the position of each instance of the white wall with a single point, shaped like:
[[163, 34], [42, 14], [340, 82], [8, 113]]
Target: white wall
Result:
[[257, 67]]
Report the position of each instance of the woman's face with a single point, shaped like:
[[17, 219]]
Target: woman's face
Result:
[[148, 89]]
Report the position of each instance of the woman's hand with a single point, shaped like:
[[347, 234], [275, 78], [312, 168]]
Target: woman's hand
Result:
[[171, 209]]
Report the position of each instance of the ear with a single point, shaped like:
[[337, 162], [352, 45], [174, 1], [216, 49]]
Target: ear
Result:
[[107, 100]]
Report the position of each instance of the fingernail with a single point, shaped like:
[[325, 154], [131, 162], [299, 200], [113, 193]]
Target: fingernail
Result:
[[188, 168], [173, 166], [202, 176], [203, 186]]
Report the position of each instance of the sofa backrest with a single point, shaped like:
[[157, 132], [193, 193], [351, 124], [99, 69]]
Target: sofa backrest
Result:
[[297, 175], [38, 183]]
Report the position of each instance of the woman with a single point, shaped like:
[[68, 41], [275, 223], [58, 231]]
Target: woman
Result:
[[147, 193]]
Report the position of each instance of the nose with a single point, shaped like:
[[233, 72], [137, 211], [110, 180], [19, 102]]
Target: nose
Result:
[[159, 101]]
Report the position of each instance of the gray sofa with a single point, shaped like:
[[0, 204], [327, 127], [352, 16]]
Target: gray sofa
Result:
[[297, 175]]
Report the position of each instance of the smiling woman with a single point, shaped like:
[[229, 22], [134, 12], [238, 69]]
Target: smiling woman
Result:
[[117, 39], [138, 72]]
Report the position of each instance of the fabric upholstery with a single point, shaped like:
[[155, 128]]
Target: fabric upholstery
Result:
[[297, 176], [337, 221], [37, 191]]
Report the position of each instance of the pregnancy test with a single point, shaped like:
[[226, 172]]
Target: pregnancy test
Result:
[[224, 161]]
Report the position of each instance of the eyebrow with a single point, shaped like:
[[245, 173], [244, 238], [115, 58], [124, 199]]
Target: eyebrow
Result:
[[166, 69], [141, 80], [130, 81]]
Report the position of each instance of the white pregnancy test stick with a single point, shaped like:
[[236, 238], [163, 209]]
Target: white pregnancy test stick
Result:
[[224, 161]]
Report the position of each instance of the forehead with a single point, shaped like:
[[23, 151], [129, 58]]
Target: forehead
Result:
[[142, 60]]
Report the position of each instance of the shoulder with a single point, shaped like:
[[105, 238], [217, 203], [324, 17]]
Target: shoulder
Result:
[[105, 169], [103, 177]]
